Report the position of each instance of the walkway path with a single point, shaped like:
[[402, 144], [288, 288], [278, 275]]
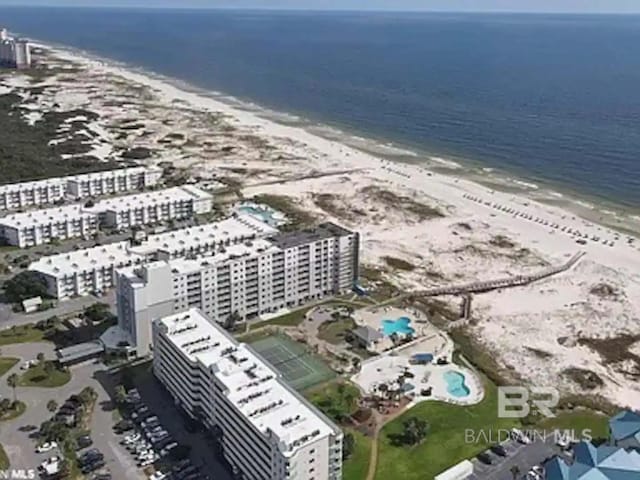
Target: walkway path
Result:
[[373, 457]]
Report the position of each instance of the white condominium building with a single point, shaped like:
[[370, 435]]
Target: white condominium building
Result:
[[28, 194], [15, 53], [111, 182], [52, 190], [85, 272], [249, 279], [43, 226], [93, 270], [267, 431], [153, 207]]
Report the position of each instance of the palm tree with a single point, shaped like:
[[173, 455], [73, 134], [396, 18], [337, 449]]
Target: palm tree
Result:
[[40, 357], [52, 405], [12, 381], [415, 430]]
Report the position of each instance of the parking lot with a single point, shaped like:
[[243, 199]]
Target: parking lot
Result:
[[157, 424], [524, 456]]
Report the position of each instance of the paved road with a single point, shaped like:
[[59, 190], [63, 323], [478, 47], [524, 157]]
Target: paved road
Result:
[[8, 317], [17, 442]]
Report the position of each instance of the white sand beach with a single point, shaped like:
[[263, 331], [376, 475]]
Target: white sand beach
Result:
[[448, 228]]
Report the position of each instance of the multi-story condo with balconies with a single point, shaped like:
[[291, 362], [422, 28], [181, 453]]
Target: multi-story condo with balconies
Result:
[[32, 194], [93, 270], [52, 190], [112, 182], [43, 226], [244, 280], [265, 429], [153, 207]]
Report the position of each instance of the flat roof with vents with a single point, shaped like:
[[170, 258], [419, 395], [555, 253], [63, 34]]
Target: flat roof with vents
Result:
[[45, 216], [251, 385], [157, 197]]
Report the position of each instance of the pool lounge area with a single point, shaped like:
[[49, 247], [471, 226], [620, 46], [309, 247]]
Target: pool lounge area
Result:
[[264, 213]]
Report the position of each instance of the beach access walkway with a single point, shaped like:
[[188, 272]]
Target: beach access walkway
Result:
[[488, 285]]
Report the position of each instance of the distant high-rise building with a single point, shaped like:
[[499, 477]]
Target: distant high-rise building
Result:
[[14, 53]]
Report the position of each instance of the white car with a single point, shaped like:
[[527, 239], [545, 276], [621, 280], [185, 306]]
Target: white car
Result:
[[538, 470], [158, 476], [520, 436], [46, 447], [28, 364], [531, 475]]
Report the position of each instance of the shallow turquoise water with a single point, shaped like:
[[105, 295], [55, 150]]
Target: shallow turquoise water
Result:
[[456, 384], [400, 326]]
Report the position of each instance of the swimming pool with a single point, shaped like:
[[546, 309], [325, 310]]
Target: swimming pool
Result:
[[456, 386], [264, 215], [399, 326]]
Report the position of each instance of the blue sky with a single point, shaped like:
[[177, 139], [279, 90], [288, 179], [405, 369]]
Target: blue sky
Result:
[[581, 6]]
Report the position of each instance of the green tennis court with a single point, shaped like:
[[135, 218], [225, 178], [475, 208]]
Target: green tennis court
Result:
[[301, 368]]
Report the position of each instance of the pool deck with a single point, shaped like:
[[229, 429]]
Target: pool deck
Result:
[[386, 369], [374, 316]]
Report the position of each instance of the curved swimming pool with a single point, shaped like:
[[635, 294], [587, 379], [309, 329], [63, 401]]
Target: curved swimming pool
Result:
[[401, 326], [456, 386]]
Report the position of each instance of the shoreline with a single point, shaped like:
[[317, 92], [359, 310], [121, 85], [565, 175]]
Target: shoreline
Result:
[[592, 207], [449, 227]]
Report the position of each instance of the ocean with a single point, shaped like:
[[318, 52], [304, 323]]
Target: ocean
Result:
[[551, 99]]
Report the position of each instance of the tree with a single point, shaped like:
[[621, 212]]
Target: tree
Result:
[[52, 405], [5, 406], [25, 285], [87, 395], [40, 357], [49, 368], [348, 445], [414, 430], [12, 381], [232, 320], [120, 394]]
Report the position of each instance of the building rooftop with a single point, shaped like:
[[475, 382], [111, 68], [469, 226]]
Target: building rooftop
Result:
[[251, 385], [212, 233], [302, 237], [110, 173], [368, 334], [13, 187], [596, 463], [253, 248], [127, 202], [112, 254], [624, 425], [79, 351], [45, 216]]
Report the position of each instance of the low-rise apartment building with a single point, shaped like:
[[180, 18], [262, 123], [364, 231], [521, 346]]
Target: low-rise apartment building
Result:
[[16, 196], [43, 226], [112, 182], [93, 270], [267, 431], [248, 279], [153, 207], [32, 194]]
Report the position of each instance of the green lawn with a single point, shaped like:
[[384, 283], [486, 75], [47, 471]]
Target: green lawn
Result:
[[21, 334], [338, 399], [38, 377], [357, 465], [6, 364], [4, 460], [445, 444], [578, 421], [334, 332], [292, 319], [14, 412]]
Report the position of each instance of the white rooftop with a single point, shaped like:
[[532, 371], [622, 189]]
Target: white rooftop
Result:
[[45, 216], [158, 197], [113, 254], [111, 173], [254, 248], [252, 386], [14, 187], [208, 234]]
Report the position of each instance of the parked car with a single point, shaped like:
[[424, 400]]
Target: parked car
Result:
[[46, 447], [84, 441], [93, 466], [485, 458], [499, 450], [158, 475]]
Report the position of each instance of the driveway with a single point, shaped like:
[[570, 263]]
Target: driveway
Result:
[[16, 440]]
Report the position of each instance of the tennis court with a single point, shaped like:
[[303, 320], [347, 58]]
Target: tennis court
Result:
[[300, 368]]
